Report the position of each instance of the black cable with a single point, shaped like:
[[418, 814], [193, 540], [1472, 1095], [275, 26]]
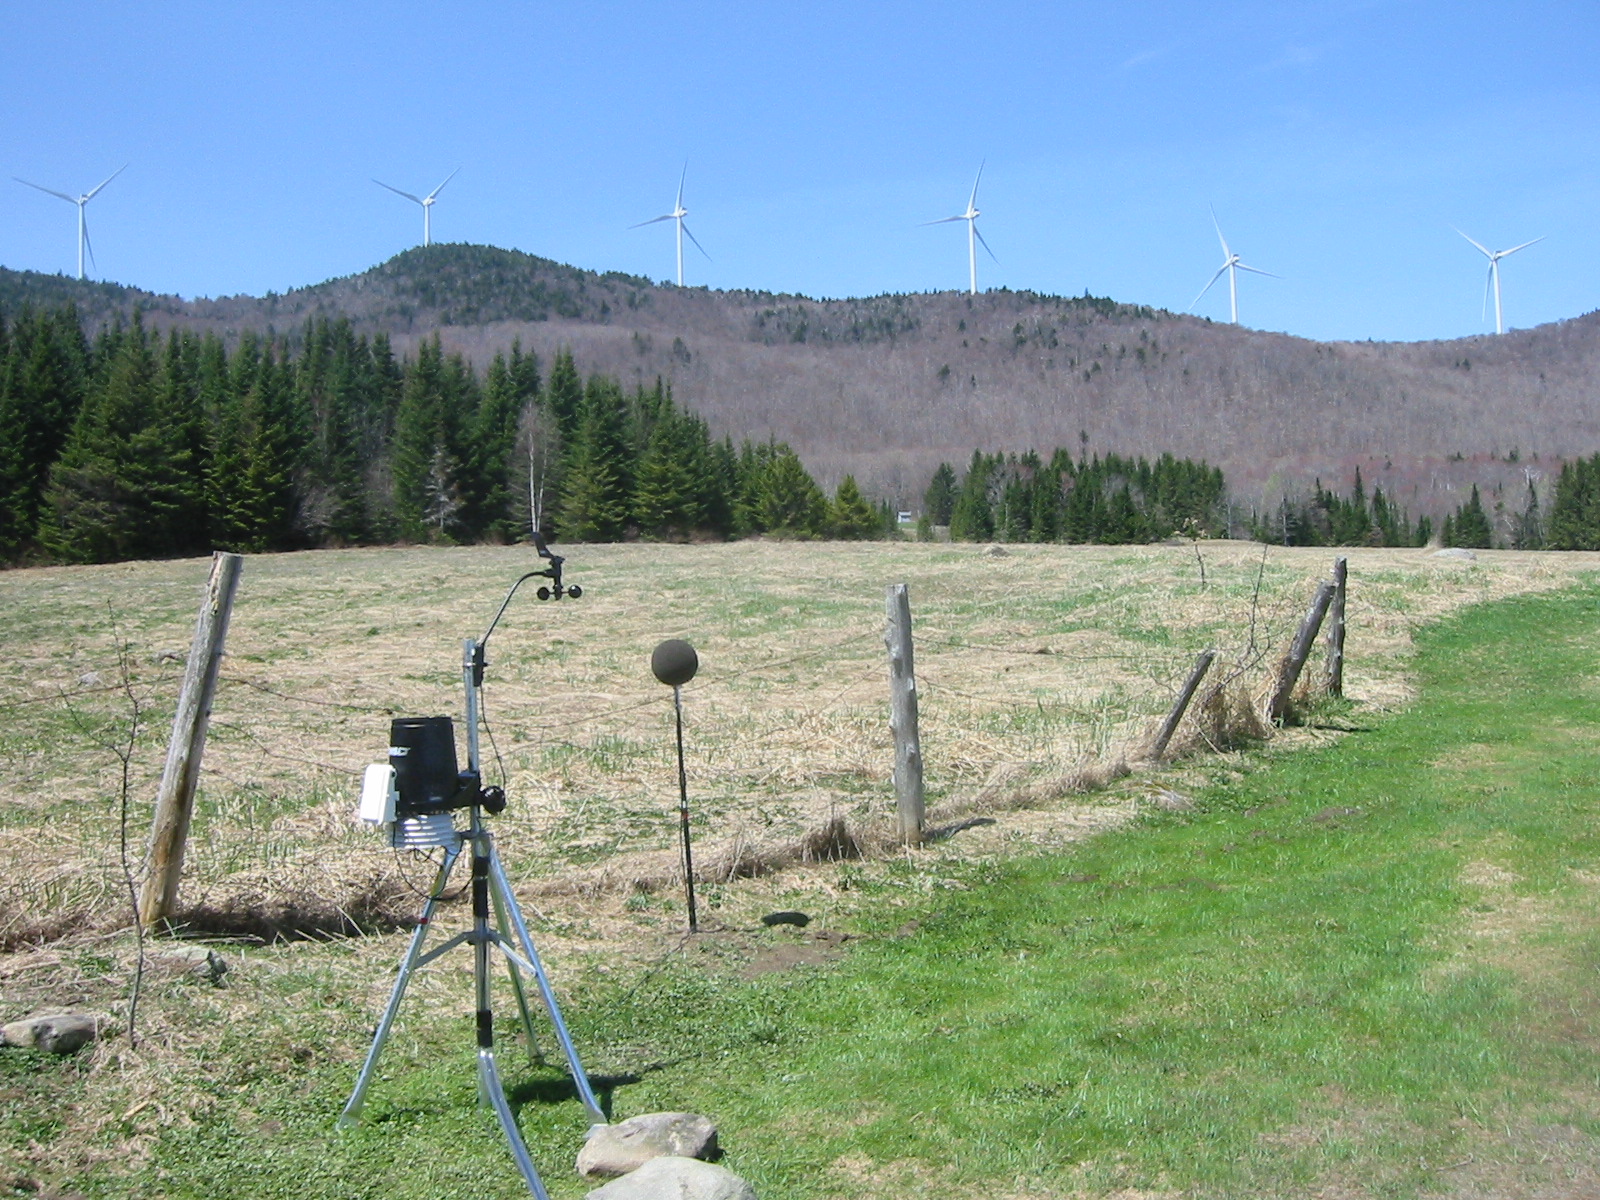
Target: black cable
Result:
[[444, 897]]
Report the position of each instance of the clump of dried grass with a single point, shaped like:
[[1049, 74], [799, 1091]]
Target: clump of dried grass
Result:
[[1225, 717]]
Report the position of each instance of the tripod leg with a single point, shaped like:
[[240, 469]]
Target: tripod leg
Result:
[[580, 1080], [490, 1086], [516, 978], [352, 1108]]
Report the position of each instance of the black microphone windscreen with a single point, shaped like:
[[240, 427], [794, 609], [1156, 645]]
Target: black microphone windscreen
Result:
[[674, 662]]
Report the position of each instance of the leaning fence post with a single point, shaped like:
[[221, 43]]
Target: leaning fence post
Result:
[[1202, 664], [1299, 651], [909, 800], [1341, 572], [175, 801]]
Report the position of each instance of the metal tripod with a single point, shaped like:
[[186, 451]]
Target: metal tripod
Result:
[[491, 894]]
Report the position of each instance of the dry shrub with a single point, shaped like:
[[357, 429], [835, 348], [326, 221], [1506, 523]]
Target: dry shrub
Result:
[[1225, 717]]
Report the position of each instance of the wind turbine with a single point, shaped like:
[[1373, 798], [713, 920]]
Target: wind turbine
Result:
[[973, 236], [425, 201], [1494, 257], [678, 213], [80, 201], [1232, 264]]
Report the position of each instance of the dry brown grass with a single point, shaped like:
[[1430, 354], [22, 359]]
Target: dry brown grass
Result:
[[1040, 674]]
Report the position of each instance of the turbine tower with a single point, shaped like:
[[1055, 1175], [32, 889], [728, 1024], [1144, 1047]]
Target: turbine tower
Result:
[[80, 201], [1494, 257], [678, 213], [973, 236], [1232, 264], [425, 201]]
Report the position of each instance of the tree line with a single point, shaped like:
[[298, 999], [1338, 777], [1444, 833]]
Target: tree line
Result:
[[1359, 519], [1107, 500], [131, 444]]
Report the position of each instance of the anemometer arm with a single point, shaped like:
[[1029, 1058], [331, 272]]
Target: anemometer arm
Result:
[[555, 591]]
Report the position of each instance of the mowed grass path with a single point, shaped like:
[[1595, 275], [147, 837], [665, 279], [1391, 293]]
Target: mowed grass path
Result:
[[1366, 969], [1371, 968]]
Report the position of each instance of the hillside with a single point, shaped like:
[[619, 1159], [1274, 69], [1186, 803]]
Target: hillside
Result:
[[887, 387]]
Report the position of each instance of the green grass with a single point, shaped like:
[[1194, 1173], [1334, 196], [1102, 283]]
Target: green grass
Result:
[[1368, 967]]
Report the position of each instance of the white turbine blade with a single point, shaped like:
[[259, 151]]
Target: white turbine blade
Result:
[[440, 188], [1226, 253], [1482, 249], [943, 220], [89, 246], [972, 201], [696, 242], [1207, 288], [48, 191], [1488, 282], [1524, 246], [983, 243], [398, 192], [684, 175], [91, 193], [654, 220], [1257, 271]]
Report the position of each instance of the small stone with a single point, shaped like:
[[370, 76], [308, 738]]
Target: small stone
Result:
[[54, 1033], [1457, 552], [798, 919], [90, 679], [998, 552], [1168, 800], [673, 1178], [627, 1146]]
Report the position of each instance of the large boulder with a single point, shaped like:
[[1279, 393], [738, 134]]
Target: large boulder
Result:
[[54, 1033], [627, 1146], [674, 1178]]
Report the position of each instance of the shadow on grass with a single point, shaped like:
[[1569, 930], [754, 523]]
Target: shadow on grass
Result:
[[558, 1089]]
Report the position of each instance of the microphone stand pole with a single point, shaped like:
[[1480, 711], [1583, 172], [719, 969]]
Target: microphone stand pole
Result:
[[683, 810]]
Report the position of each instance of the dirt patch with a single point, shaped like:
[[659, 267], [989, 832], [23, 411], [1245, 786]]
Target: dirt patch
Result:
[[819, 949]]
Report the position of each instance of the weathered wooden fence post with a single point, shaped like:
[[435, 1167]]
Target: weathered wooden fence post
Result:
[[175, 801], [903, 716], [1202, 664], [1299, 651], [1341, 573]]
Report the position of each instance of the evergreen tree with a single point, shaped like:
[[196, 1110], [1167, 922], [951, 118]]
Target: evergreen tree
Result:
[[122, 482], [564, 395], [850, 517], [1575, 512], [42, 379], [1470, 527], [789, 502], [669, 493], [428, 467], [940, 498], [492, 456], [1528, 530], [250, 480], [972, 516]]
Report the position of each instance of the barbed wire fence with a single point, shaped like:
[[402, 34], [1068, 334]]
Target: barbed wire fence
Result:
[[791, 757]]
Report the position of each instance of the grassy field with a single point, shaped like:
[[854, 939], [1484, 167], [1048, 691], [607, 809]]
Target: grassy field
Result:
[[915, 1039]]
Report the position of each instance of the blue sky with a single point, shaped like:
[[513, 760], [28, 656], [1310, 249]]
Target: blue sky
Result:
[[1337, 142]]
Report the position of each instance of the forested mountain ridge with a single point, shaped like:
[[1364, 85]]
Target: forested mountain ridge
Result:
[[885, 388]]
